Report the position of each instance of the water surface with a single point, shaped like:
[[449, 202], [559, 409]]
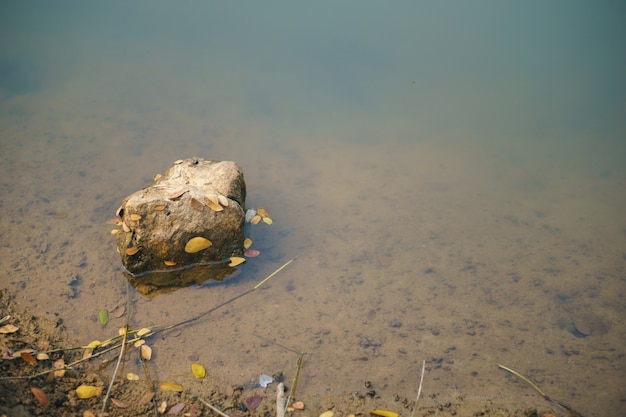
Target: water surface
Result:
[[450, 176]]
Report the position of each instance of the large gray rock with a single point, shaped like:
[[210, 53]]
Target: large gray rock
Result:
[[192, 215]]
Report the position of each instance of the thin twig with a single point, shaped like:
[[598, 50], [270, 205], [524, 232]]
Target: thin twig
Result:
[[218, 411], [419, 390], [119, 358], [294, 386]]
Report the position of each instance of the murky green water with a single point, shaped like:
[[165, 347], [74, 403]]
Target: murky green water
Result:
[[451, 179]]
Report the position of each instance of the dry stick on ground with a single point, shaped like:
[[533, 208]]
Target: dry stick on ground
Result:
[[281, 404], [119, 359], [571, 411], [419, 390]]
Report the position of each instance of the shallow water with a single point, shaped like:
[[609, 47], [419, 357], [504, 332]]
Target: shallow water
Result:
[[453, 190]]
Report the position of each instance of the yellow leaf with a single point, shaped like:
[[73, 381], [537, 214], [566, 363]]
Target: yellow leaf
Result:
[[247, 242], [262, 212], [267, 220], [42, 356], [143, 332], [139, 343], [214, 206], [132, 377], [196, 244], [256, 219], [198, 370], [88, 391], [94, 344], [146, 352], [236, 260], [171, 386], [384, 413]]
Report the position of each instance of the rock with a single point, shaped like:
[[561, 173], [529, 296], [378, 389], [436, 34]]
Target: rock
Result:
[[192, 215]]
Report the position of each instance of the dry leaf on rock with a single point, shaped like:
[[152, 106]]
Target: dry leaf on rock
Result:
[[236, 260], [196, 244]]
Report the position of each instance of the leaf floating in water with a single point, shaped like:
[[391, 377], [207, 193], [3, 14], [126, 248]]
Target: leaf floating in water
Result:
[[103, 316], [198, 370], [8, 328], [171, 386], [120, 311], [253, 402], [195, 204], [256, 219], [28, 358], [40, 396], [135, 217], [115, 220], [143, 332], [139, 343], [146, 352], [131, 251], [197, 244], [169, 263], [252, 253], [132, 377], [213, 206], [236, 260], [265, 380], [250, 213], [267, 220], [262, 212], [159, 207], [88, 391], [247, 242]]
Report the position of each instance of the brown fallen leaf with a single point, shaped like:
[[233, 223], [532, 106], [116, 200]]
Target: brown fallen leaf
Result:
[[119, 403], [40, 396], [28, 358], [213, 206], [8, 328], [195, 204], [131, 251], [120, 311]]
